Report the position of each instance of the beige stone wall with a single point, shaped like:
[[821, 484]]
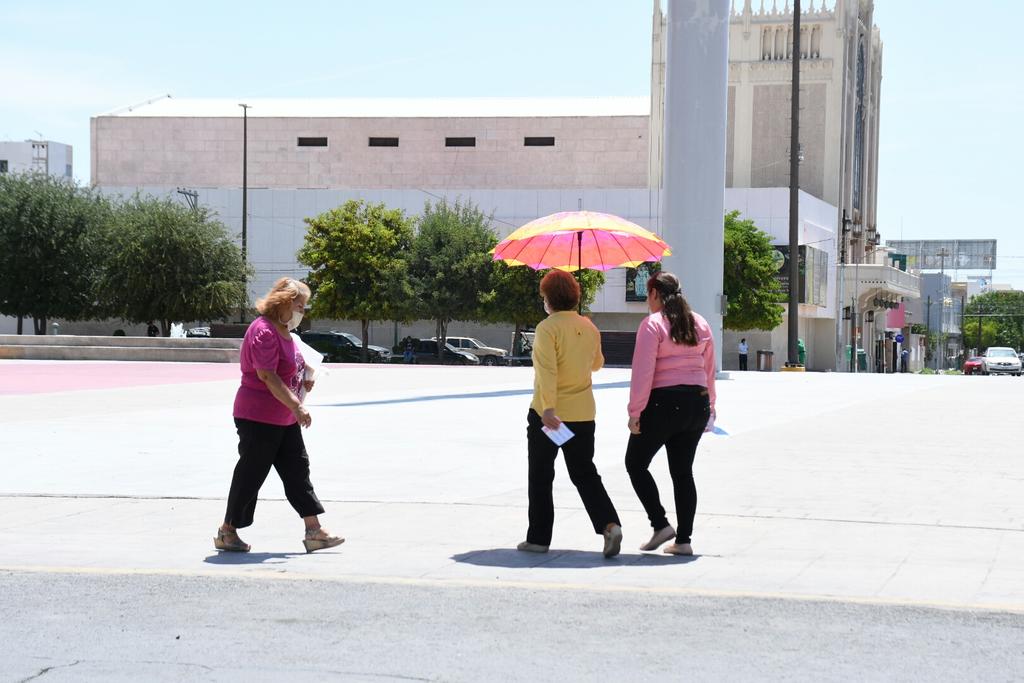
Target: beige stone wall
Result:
[[592, 151]]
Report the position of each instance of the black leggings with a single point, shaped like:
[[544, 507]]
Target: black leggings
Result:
[[260, 447], [579, 461], [675, 418]]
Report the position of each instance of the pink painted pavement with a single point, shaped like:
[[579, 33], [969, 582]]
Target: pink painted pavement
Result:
[[49, 377]]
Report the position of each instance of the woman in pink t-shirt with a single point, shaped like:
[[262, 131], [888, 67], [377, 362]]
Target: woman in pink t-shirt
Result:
[[269, 415], [671, 404]]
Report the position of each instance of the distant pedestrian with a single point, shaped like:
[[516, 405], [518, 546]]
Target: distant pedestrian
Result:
[[904, 360], [152, 330], [566, 351], [742, 348], [671, 404], [407, 354], [269, 416]]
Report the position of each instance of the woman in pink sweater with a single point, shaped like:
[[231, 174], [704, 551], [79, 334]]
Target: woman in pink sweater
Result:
[[671, 404]]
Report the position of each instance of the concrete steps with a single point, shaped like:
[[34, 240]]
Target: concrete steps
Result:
[[72, 347]]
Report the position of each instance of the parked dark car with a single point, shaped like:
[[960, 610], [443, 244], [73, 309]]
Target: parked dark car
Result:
[[425, 352], [342, 347]]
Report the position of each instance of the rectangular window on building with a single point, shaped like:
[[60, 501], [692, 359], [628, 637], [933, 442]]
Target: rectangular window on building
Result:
[[539, 142], [3, 165], [460, 142], [67, 170], [383, 142], [312, 142]]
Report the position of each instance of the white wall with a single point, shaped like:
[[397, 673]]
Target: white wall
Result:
[[19, 157], [276, 231], [768, 207]]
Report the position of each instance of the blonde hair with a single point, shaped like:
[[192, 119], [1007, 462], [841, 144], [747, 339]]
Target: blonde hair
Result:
[[283, 293]]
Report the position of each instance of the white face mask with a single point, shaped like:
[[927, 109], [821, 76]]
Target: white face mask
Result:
[[547, 309], [294, 321]]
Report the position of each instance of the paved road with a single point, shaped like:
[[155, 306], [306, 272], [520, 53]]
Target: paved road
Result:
[[848, 528], [162, 628]]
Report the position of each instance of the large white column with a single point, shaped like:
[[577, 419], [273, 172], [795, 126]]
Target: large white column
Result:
[[696, 86]]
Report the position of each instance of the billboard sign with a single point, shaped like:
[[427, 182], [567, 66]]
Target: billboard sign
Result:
[[813, 267], [636, 280], [947, 254]]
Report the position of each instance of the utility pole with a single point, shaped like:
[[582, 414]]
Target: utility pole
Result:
[[853, 335], [191, 198], [928, 323], [978, 307], [245, 207], [942, 254], [963, 329], [794, 197]]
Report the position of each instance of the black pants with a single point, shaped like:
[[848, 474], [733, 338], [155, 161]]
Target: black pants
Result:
[[675, 418], [579, 461], [260, 447], [743, 361]]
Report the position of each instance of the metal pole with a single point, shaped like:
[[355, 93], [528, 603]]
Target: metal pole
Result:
[[943, 253], [928, 323], [853, 335], [794, 195], [579, 269], [963, 330], [978, 309], [245, 205]]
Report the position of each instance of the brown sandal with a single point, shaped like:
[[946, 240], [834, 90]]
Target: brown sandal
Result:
[[229, 540], [318, 539]]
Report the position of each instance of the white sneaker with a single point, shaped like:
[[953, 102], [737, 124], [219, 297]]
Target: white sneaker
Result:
[[659, 537], [612, 540]]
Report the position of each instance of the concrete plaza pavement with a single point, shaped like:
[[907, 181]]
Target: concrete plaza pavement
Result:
[[894, 491]]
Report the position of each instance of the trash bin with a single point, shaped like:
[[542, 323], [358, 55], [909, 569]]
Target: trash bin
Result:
[[764, 360], [801, 352], [862, 360]]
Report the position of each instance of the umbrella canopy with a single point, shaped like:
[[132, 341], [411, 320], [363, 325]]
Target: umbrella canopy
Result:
[[573, 240]]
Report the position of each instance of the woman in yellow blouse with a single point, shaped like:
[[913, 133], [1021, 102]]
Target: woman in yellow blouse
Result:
[[566, 350]]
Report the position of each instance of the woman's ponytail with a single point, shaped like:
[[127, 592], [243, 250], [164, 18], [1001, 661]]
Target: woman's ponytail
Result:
[[675, 308]]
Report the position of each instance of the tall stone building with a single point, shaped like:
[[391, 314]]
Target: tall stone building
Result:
[[840, 80]]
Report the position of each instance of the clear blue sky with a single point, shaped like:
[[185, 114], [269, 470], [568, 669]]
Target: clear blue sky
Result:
[[952, 95]]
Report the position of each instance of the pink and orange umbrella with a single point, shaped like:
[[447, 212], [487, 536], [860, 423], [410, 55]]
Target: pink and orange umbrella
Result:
[[574, 240]]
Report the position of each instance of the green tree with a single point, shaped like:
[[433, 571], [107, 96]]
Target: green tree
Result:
[[515, 295], [749, 277], [357, 258], [450, 264], [1001, 317], [168, 262], [51, 238]]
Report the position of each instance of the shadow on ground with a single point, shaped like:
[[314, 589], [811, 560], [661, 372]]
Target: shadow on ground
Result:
[[564, 559], [229, 558]]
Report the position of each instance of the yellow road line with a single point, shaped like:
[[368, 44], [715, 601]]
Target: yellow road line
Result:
[[272, 574]]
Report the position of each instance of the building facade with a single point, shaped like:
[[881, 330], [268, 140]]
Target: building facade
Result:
[[36, 156], [840, 84], [524, 158], [385, 144], [940, 310]]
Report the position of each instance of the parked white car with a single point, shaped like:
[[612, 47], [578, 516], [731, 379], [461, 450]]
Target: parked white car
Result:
[[1001, 360]]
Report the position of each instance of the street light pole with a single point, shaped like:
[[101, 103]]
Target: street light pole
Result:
[[245, 207], [794, 196]]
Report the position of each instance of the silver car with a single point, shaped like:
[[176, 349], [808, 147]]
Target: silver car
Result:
[[1000, 360], [488, 355]]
